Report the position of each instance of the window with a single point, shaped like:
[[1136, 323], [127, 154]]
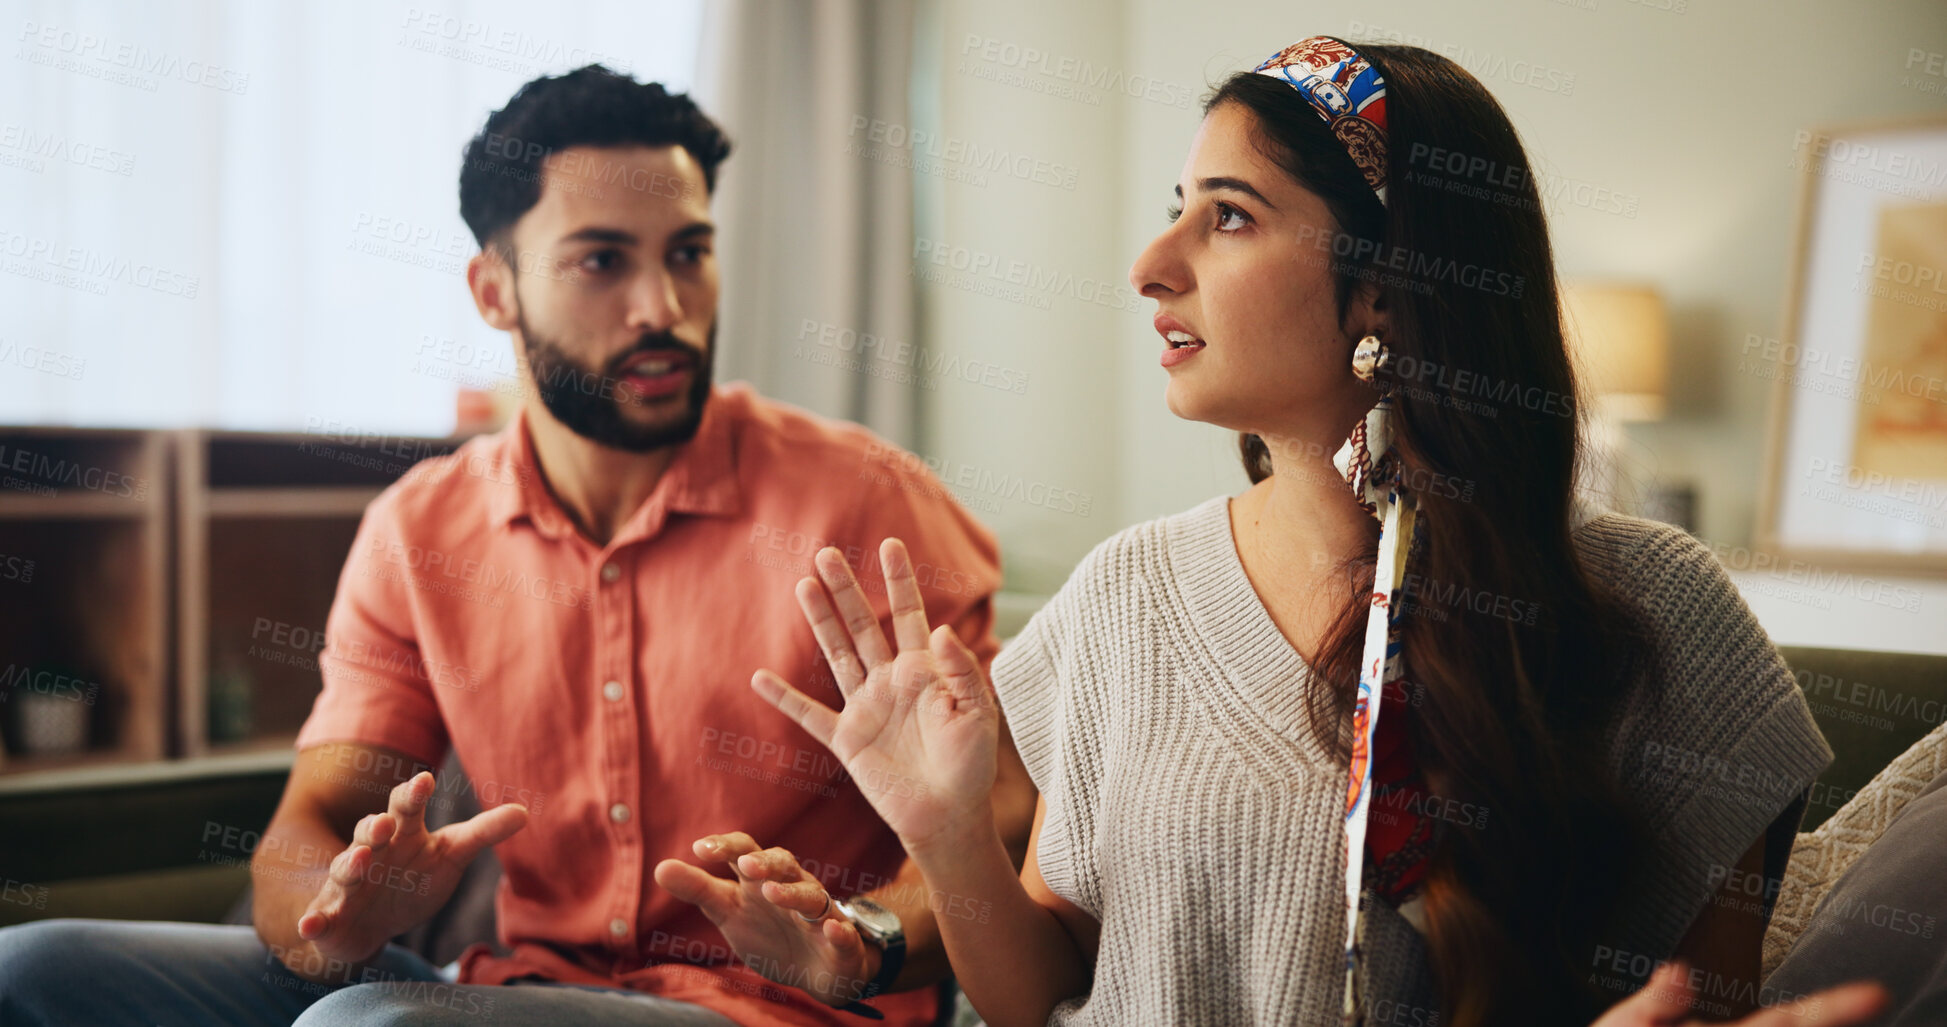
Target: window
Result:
[[245, 215]]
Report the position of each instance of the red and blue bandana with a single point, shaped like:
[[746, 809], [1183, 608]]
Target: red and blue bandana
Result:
[[1347, 91]]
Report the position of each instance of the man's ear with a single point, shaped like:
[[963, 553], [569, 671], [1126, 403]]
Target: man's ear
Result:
[[492, 284]]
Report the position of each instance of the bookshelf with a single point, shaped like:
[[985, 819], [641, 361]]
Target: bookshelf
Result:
[[163, 594], [276, 513], [84, 662]]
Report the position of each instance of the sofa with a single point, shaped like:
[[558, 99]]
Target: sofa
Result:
[[171, 846]]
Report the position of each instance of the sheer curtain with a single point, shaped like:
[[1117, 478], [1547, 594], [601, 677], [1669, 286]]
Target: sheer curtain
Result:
[[245, 215], [815, 220]]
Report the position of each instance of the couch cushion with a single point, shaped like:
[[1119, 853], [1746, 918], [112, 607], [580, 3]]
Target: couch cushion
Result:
[[1884, 919]]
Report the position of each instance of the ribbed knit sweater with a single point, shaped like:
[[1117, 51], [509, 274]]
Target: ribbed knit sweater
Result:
[[1161, 713]]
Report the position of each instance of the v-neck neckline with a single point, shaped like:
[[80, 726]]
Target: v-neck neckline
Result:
[[1261, 679]]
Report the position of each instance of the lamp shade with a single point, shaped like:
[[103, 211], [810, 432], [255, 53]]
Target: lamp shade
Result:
[[1619, 338]]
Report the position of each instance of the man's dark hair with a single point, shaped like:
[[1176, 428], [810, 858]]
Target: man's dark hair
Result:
[[500, 171]]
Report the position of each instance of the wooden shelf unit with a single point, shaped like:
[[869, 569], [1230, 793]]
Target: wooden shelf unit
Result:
[[185, 575], [84, 553], [247, 657]]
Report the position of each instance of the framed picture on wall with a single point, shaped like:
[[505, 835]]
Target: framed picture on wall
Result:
[[1857, 452]]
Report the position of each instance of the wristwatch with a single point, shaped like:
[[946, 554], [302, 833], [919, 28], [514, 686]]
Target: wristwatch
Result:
[[881, 926]]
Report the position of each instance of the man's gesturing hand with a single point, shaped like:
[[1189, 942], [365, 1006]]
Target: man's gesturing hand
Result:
[[920, 726], [396, 874], [762, 915]]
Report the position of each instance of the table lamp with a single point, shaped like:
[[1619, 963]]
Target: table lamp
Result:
[[1619, 339]]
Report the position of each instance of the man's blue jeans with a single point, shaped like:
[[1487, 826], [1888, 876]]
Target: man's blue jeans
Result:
[[56, 973]]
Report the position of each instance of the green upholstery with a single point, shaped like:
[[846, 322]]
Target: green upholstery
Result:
[[170, 849], [1871, 706]]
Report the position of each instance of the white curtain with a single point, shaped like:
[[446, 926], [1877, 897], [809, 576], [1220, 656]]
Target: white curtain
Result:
[[815, 234], [243, 214]]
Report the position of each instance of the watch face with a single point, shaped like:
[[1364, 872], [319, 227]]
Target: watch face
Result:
[[874, 921]]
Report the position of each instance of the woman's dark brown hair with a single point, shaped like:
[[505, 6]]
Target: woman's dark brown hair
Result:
[[1510, 715]]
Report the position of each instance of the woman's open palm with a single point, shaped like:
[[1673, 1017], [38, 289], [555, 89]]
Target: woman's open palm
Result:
[[920, 725]]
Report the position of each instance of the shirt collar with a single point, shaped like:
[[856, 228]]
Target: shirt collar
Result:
[[701, 480]]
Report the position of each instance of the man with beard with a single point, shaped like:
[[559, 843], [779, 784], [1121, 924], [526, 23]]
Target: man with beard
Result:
[[575, 606]]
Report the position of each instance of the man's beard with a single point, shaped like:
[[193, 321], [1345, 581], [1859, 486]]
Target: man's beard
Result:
[[589, 400]]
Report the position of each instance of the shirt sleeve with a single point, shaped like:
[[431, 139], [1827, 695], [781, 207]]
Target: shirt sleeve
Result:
[[1029, 689], [1050, 679], [1053, 703], [1717, 748], [376, 689]]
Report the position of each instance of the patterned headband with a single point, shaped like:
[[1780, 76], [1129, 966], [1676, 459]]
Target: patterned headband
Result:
[[1347, 91]]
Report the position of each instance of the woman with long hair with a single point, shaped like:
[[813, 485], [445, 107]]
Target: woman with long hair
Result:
[[1583, 739]]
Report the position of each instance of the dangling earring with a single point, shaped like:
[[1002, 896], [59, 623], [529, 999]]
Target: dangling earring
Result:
[[1370, 357]]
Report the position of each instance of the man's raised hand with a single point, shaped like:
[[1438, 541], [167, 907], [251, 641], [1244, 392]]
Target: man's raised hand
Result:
[[396, 874], [777, 918]]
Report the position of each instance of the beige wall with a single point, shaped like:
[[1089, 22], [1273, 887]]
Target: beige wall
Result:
[[1687, 117], [1043, 234]]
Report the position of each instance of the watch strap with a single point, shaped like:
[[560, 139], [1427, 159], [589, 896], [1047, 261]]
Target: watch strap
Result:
[[892, 959]]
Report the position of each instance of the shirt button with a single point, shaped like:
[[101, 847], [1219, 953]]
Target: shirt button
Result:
[[612, 691], [610, 572], [619, 813], [618, 926]]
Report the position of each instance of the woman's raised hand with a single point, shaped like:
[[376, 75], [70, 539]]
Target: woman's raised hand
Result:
[[920, 724]]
